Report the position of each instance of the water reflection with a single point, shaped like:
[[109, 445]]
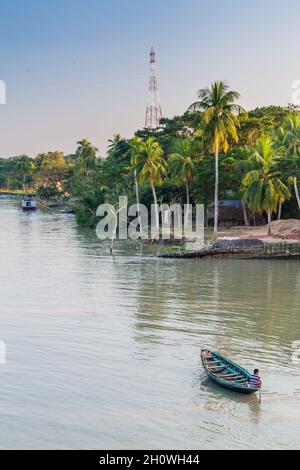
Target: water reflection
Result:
[[223, 297]]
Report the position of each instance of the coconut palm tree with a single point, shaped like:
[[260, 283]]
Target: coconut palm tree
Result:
[[240, 165], [220, 117], [182, 163], [290, 133], [115, 141], [151, 167], [135, 150], [86, 155], [263, 190], [288, 167]]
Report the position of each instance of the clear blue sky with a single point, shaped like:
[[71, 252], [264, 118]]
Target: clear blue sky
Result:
[[79, 68]]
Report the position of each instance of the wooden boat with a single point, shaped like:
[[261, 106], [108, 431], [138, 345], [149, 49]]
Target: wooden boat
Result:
[[226, 373]]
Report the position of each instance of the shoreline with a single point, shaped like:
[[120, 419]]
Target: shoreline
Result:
[[241, 242], [242, 249], [16, 192], [251, 243]]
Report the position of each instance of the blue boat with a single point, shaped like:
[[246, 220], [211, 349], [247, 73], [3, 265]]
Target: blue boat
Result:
[[226, 373]]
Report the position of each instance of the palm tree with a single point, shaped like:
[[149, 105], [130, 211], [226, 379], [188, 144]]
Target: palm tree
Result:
[[220, 117], [135, 150], [115, 141], [288, 167], [86, 155], [183, 164], [241, 165], [290, 132], [263, 190], [151, 167]]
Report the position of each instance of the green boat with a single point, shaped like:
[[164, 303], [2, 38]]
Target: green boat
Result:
[[226, 373]]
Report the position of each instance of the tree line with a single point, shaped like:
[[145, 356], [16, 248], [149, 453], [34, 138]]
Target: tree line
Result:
[[214, 151]]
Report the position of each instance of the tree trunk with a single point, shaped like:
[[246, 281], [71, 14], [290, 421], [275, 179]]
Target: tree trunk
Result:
[[297, 192], [156, 207], [187, 203], [269, 224], [279, 210], [88, 175], [245, 214], [24, 184], [216, 192], [138, 199], [254, 219]]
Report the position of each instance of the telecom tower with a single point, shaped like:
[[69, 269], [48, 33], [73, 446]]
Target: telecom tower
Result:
[[153, 113]]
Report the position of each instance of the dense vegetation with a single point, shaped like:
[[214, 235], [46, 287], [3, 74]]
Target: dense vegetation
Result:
[[214, 151]]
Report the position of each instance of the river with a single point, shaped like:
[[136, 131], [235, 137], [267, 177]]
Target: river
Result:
[[103, 352]]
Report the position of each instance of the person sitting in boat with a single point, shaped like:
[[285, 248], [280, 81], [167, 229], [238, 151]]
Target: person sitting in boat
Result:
[[255, 380]]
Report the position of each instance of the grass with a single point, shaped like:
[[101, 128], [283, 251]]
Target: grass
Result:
[[18, 192]]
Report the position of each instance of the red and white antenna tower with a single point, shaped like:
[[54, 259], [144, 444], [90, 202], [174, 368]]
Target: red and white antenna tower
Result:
[[153, 113]]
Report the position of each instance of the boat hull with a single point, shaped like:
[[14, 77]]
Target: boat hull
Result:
[[233, 388], [29, 209], [239, 378]]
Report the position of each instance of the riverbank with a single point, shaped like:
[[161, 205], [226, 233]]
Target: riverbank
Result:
[[64, 205], [249, 243], [244, 249], [288, 229], [15, 192]]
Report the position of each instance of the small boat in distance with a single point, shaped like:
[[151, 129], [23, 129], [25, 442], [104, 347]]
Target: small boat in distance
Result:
[[29, 203], [226, 373]]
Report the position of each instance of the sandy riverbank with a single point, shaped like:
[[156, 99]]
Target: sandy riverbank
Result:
[[251, 243], [281, 230]]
